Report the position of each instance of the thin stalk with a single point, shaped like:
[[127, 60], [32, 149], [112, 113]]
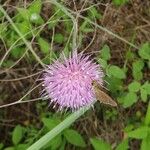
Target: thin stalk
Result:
[[59, 128], [20, 34]]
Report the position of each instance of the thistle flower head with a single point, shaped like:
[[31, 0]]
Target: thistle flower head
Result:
[[67, 82]]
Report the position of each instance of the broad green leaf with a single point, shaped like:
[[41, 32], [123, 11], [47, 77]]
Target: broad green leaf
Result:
[[44, 45], [17, 134], [147, 117], [130, 99], [99, 144], [116, 72], [35, 7], [124, 145], [139, 133], [50, 123], [58, 38], [145, 143], [143, 95], [105, 52], [74, 138], [144, 51], [134, 86]]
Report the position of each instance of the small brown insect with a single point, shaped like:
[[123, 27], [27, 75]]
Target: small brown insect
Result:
[[102, 96]]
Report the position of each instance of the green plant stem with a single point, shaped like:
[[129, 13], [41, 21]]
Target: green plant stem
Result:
[[74, 21], [20, 34], [59, 128]]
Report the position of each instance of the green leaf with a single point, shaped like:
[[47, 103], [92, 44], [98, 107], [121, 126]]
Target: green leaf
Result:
[[134, 86], [24, 13], [44, 45], [144, 51], [102, 62], [99, 144], [74, 138], [146, 86], [145, 143], [50, 123], [58, 38], [137, 67], [24, 27], [10, 148], [129, 99], [105, 52], [120, 2], [147, 117], [21, 147], [54, 144], [116, 72], [17, 134], [143, 95], [35, 7], [17, 52], [139, 133], [92, 12], [1, 146], [124, 145], [36, 18]]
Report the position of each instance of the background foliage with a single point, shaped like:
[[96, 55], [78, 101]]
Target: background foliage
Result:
[[34, 33]]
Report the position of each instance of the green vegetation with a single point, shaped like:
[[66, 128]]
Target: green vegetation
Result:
[[32, 37]]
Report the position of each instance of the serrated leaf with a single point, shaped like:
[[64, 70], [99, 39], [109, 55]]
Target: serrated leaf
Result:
[[134, 86], [50, 123], [139, 133], [99, 144], [17, 134], [129, 99], [116, 72], [124, 145], [144, 51], [74, 138], [105, 52], [44, 45]]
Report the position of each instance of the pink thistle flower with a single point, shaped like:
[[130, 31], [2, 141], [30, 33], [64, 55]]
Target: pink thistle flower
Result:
[[68, 81]]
